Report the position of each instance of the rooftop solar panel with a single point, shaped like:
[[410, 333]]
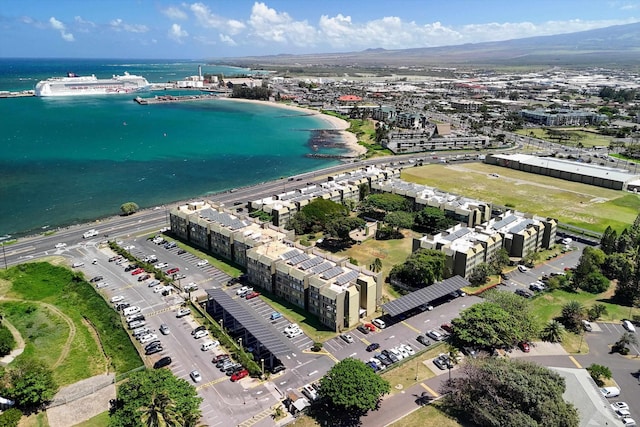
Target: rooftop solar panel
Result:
[[321, 267], [521, 226], [349, 276], [298, 259], [288, 255], [332, 272], [311, 263]]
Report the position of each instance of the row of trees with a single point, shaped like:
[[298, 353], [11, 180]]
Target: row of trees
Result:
[[618, 259], [28, 382]]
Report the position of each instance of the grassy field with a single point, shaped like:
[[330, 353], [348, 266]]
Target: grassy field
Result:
[[403, 376], [586, 138], [65, 322], [581, 205], [100, 420], [390, 252], [427, 416]]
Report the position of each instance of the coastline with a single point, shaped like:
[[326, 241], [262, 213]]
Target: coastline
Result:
[[350, 140]]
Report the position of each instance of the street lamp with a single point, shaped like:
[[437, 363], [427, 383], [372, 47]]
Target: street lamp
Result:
[[240, 342], [417, 365], [262, 364], [222, 324]]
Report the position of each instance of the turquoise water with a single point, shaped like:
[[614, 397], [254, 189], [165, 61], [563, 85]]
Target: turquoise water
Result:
[[68, 160]]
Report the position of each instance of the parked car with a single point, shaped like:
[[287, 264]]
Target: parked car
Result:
[[144, 277], [243, 291], [447, 327], [373, 346], [435, 335], [198, 329], [628, 326], [162, 265], [173, 270], [524, 346], [202, 263], [121, 306], [117, 298], [148, 338], [239, 375], [195, 376], [181, 251], [137, 271], [347, 338], [96, 279], [443, 362], [164, 329], [275, 315], [522, 268], [183, 312], [610, 391], [200, 334], [252, 295], [408, 349], [219, 357], [379, 323], [587, 326], [153, 350], [523, 293], [363, 329], [161, 363], [423, 340], [370, 327], [619, 405]]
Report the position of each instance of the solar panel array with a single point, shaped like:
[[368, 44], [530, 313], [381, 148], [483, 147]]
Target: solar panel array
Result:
[[503, 222], [348, 277], [424, 295], [311, 263], [258, 327], [298, 259], [288, 255], [457, 234], [332, 272], [521, 226], [223, 218], [321, 267]]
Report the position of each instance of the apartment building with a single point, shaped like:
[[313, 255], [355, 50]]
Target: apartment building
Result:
[[335, 291], [465, 248], [468, 211], [562, 117], [466, 105], [523, 235]]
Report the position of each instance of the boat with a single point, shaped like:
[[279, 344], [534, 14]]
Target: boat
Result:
[[74, 85]]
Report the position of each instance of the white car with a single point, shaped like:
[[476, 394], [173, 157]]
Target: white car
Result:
[[202, 263], [128, 248], [158, 288], [522, 268], [117, 298], [201, 334], [195, 376], [629, 422], [162, 265], [619, 405], [294, 333], [408, 349], [435, 335], [291, 327], [243, 290], [183, 312], [148, 338], [60, 245], [628, 326], [622, 413]]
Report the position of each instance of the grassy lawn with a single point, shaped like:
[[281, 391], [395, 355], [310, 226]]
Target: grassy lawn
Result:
[[100, 420], [573, 203], [219, 263], [427, 416], [586, 137], [402, 376], [65, 322], [390, 252], [36, 420]]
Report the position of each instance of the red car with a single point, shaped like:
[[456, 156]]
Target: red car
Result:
[[252, 295], [524, 346], [370, 327], [239, 375], [447, 327], [173, 270], [137, 271]]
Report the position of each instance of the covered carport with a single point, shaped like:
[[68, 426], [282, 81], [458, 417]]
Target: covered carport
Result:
[[248, 327], [423, 296]]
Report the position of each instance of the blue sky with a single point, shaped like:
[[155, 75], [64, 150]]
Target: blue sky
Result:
[[226, 28]]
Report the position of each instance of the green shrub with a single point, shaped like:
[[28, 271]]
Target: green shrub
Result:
[[10, 417], [7, 343]]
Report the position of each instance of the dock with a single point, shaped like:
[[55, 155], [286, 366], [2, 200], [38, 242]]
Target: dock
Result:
[[165, 99], [21, 94]]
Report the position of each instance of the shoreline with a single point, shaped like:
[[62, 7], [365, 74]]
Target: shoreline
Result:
[[350, 140]]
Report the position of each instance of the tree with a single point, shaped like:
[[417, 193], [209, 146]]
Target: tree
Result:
[[626, 339], [608, 241], [160, 412], [596, 311], [595, 283], [485, 325], [399, 219], [158, 389], [590, 262], [341, 226], [480, 274], [378, 205], [352, 385], [519, 308], [376, 265], [30, 383], [316, 215], [7, 342], [363, 191], [432, 220], [598, 372], [572, 315], [500, 260], [552, 332], [496, 392], [422, 268], [129, 208]]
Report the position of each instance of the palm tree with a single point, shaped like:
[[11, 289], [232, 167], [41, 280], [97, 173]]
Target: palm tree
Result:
[[572, 315], [553, 332], [161, 411], [376, 265], [625, 339]]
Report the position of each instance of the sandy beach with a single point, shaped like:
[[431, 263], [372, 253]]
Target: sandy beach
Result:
[[350, 140]]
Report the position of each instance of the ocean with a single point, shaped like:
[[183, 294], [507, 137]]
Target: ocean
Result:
[[71, 160]]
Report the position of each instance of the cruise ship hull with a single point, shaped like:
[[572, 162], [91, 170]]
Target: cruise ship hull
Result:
[[73, 85]]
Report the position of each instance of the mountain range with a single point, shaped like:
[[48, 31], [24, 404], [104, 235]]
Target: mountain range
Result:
[[614, 47]]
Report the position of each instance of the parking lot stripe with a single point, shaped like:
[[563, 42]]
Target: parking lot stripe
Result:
[[326, 353], [411, 327], [212, 383], [258, 417], [429, 389], [575, 362], [364, 340]]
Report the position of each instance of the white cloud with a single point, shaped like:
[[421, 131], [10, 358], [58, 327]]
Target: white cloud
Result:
[[207, 19], [227, 40], [175, 13], [81, 21], [59, 26], [119, 25], [177, 33], [269, 25]]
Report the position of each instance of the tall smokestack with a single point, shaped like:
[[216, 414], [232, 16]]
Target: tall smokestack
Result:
[[200, 71]]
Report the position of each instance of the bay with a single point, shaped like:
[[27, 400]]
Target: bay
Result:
[[75, 159]]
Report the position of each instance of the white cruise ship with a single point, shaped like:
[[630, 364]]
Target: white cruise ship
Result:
[[74, 85]]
